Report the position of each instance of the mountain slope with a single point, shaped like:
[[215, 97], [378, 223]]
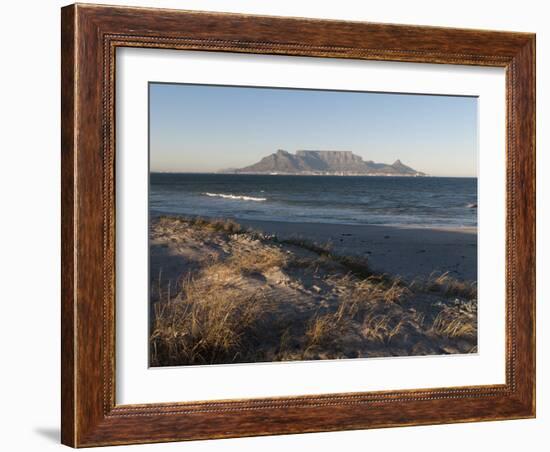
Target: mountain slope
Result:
[[325, 162]]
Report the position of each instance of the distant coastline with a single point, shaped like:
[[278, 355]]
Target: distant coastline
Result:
[[306, 173], [223, 171], [324, 163]]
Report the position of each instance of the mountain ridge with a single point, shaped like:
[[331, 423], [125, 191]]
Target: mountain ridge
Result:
[[324, 162]]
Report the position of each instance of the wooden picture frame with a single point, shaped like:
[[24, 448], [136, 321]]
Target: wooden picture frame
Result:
[[90, 36]]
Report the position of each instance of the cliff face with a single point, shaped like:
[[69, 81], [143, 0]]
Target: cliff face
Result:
[[332, 160], [325, 162]]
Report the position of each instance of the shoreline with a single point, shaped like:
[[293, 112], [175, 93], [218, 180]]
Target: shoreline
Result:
[[458, 229], [155, 214], [434, 176]]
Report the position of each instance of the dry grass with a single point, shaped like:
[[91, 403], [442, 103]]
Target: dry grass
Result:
[[227, 226], [357, 265], [213, 319], [372, 305], [381, 327], [375, 303], [456, 322], [321, 331], [374, 288], [207, 323], [446, 284], [258, 261]]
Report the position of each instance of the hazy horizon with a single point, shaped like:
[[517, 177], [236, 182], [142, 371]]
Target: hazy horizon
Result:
[[205, 128], [298, 175]]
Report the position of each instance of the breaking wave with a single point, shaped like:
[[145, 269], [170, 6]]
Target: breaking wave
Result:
[[243, 198]]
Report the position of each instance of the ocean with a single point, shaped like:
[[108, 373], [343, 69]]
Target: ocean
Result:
[[396, 201]]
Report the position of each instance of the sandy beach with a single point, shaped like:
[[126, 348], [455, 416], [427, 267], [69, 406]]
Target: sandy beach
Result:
[[224, 292], [407, 252]]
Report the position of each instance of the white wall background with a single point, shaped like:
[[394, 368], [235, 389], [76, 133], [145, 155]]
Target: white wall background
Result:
[[29, 187]]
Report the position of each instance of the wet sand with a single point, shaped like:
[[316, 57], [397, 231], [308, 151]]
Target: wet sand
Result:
[[407, 252]]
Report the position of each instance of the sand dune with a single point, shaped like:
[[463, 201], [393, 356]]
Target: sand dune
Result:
[[221, 293]]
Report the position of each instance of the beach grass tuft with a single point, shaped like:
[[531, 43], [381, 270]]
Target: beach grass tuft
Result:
[[455, 322], [206, 323], [448, 285]]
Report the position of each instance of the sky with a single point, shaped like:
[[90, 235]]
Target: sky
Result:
[[201, 128]]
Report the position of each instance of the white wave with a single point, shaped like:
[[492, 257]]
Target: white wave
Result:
[[244, 198]]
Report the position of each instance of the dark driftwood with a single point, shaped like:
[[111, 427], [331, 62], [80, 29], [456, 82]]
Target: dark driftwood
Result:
[[90, 35]]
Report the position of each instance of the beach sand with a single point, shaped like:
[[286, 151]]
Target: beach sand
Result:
[[223, 292], [407, 252]]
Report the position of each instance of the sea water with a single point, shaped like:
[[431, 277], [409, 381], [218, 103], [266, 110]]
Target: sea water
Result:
[[377, 200]]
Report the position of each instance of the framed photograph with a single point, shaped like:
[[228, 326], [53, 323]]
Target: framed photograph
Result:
[[282, 225]]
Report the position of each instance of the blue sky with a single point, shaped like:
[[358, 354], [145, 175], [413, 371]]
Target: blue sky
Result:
[[199, 128]]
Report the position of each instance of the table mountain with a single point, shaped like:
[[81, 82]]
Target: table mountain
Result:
[[342, 163]]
